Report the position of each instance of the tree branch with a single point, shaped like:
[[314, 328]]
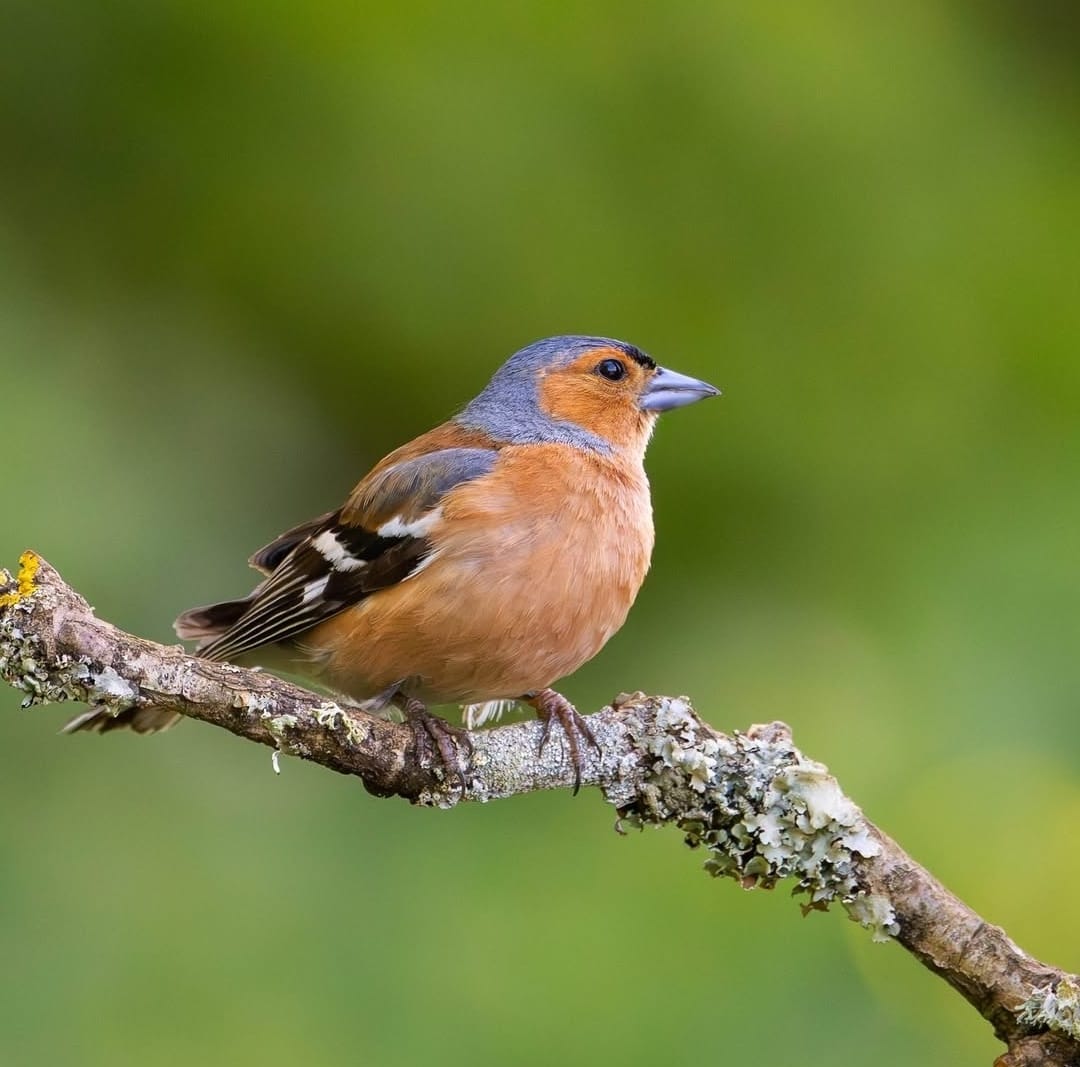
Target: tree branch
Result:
[[758, 808]]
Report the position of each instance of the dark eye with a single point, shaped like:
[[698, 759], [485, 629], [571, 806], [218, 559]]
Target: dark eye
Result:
[[611, 369]]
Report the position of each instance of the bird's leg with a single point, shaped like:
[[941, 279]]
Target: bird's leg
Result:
[[431, 730], [554, 707]]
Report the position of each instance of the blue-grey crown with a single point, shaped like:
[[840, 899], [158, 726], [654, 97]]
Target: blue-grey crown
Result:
[[509, 407]]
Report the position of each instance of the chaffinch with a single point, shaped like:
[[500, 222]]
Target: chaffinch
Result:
[[477, 564]]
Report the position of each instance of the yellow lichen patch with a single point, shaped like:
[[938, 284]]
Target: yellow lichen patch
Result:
[[28, 568]]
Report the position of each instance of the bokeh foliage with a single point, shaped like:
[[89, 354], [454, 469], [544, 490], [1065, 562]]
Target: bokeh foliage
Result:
[[245, 250]]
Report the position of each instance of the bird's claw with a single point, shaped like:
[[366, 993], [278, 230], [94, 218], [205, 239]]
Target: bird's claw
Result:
[[439, 743], [554, 707]]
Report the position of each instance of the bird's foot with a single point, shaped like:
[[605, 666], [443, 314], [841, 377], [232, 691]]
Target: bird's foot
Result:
[[554, 707], [438, 742]]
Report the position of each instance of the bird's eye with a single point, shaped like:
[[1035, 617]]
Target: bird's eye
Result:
[[612, 369]]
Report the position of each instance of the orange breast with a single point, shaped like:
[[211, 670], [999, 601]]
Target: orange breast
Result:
[[535, 567]]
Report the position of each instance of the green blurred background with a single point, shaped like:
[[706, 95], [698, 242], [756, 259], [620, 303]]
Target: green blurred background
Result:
[[245, 250]]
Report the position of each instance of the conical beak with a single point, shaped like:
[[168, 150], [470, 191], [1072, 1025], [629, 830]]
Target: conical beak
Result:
[[669, 389]]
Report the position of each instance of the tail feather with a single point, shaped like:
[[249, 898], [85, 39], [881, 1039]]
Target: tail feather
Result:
[[101, 719], [210, 621]]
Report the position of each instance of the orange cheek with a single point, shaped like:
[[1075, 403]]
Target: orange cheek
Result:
[[593, 405]]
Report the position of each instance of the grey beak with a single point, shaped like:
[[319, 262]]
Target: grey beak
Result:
[[669, 389]]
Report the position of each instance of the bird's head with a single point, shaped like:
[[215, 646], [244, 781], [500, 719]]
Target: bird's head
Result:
[[591, 392]]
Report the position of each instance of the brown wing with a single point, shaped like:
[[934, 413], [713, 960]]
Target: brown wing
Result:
[[378, 539]]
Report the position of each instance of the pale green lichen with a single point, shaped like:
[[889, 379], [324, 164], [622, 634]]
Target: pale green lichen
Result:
[[1055, 1008], [24, 665], [329, 715], [287, 731], [874, 911], [333, 717], [278, 724], [107, 687], [762, 810]]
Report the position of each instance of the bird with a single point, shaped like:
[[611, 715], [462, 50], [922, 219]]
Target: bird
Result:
[[480, 563]]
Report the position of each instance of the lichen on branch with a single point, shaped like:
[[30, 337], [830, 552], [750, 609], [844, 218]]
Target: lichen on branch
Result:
[[1056, 1007], [762, 811]]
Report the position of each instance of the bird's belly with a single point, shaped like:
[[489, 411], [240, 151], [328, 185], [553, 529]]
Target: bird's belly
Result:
[[490, 618]]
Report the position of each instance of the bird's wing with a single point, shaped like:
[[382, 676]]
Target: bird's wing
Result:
[[269, 557], [379, 538]]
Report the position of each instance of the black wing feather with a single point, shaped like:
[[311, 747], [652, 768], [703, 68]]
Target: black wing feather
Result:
[[269, 557], [323, 566], [306, 589]]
